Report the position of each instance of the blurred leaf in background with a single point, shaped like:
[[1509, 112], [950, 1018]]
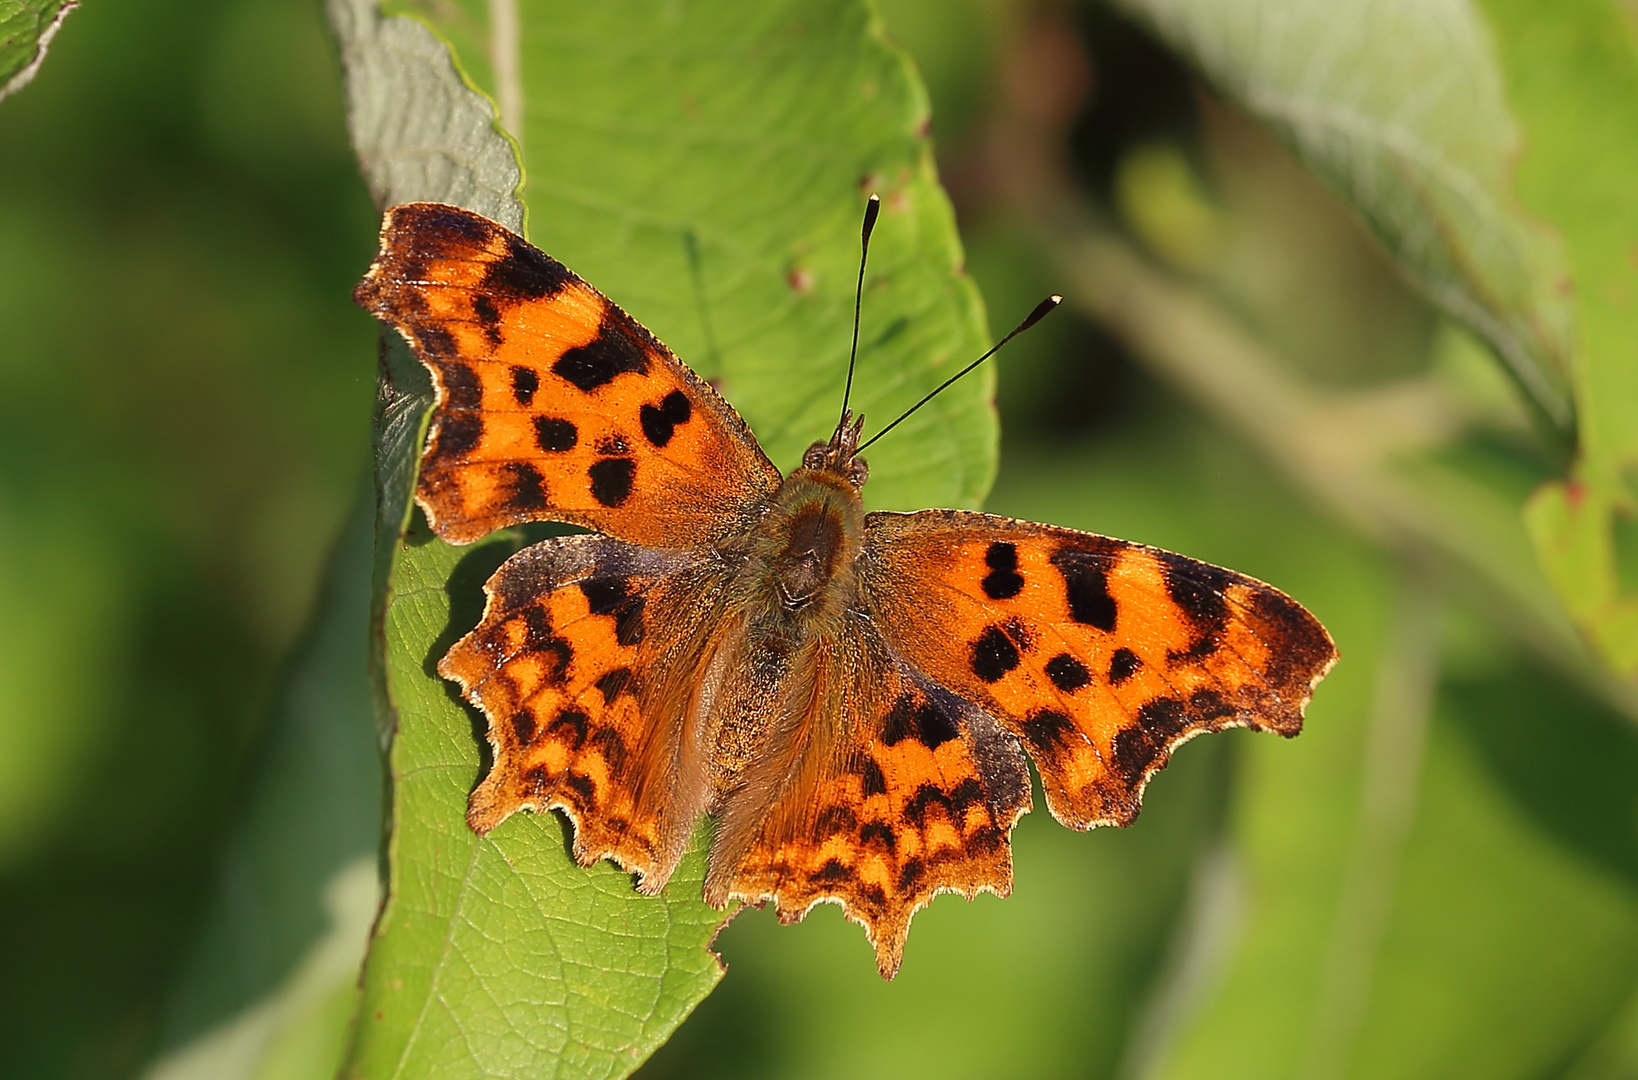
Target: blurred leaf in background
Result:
[[183, 393]]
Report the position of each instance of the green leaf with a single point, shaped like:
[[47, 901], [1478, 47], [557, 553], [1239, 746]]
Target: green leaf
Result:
[[499, 956], [704, 168], [26, 30], [1572, 78], [1399, 106], [419, 130]]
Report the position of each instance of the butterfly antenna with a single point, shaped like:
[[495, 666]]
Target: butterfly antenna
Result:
[[1034, 317], [872, 208]]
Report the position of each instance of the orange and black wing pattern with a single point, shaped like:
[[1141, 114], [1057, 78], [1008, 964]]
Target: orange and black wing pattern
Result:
[[1102, 656], [584, 650], [906, 792], [552, 403]]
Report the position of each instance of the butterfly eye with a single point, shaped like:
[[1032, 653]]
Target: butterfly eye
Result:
[[858, 471], [815, 456]]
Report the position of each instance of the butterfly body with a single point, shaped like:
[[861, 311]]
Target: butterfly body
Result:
[[851, 695]]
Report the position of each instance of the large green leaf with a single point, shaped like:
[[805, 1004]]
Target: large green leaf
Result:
[[706, 165], [704, 170], [1399, 106], [26, 30], [1572, 79]]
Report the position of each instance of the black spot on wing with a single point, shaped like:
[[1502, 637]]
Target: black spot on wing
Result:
[[605, 595], [539, 640], [537, 628], [1086, 586], [1049, 732], [660, 422], [1123, 665], [926, 796], [435, 340], [1137, 747], [874, 782], [462, 390], [993, 655], [528, 487], [583, 787], [524, 273], [523, 727], [615, 597], [611, 480], [875, 834], [558, 654], [1197, 588], [488, 317], [615, 683], [1201, 647], [1003, 582], [967, 794], [458, 434], [832, 873], [1067, 673], [834, 820], [524, 384], [569, 726], [921, 720], [597, 362], [555, 435]]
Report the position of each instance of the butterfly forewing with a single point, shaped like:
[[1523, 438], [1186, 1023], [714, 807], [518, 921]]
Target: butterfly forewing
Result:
[[553, 404], [1100, 655]]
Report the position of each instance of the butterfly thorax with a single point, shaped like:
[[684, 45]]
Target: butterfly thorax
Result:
[[800, 566], [798, 569]]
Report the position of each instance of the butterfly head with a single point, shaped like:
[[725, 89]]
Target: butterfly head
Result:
[[840, 455]]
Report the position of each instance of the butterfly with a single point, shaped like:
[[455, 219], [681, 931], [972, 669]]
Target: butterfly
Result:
[[851, 695]]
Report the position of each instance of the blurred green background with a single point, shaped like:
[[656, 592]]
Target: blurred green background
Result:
[[184, 404]]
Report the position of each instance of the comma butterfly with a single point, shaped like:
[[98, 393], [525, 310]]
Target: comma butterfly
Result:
[[851, 694]]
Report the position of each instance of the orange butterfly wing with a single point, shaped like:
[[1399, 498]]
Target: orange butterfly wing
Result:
[[900, 792], [553, 404], [1102, 656], [583, 663]]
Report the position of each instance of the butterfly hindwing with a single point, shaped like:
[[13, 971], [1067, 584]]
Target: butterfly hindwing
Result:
[[1102, 656], [915, 794], [584, 647], [553, 404]]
